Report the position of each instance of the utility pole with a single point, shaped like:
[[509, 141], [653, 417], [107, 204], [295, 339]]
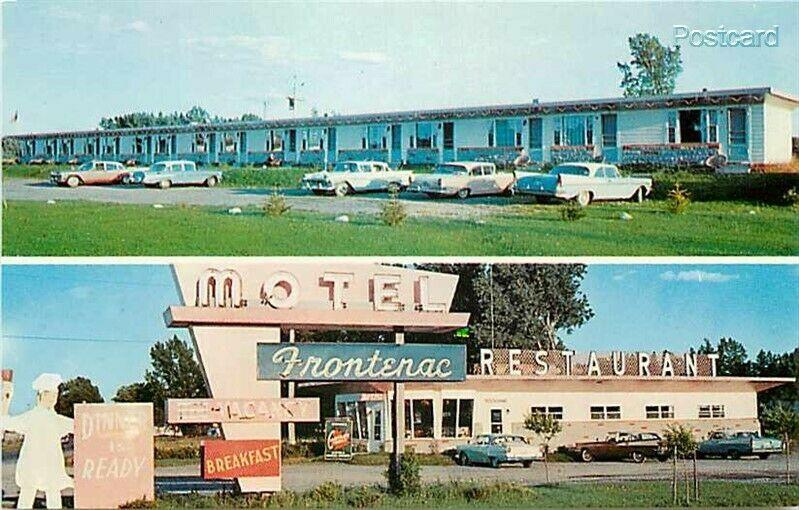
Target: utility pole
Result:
[[398, 416]]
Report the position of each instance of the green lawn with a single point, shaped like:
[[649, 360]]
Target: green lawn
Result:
[[87, 228], [503, 495]]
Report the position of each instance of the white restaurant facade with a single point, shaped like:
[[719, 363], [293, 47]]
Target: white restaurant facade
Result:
[[590, 399]]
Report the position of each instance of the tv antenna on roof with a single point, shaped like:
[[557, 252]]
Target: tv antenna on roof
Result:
[[293, 98]]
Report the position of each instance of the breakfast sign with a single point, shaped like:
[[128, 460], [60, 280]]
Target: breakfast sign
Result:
[[235, 314]]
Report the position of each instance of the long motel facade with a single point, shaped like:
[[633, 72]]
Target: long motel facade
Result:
[[751, 125], [591, 394]]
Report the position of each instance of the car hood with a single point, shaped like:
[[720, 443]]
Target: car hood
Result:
[[316, 176]]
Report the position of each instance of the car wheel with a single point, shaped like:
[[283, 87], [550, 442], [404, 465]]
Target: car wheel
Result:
[[639, 195], [763, 456], [733, 454], [464, 460], [527, 463], [494, 462], [638, 457], [342, 189], [394, 187], [586, 456], [164, 184], [125, 179], [584, 198], [73, 181], [463, 193], [211, 182]]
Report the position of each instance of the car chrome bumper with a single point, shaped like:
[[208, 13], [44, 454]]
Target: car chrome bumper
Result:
[[318, 186]]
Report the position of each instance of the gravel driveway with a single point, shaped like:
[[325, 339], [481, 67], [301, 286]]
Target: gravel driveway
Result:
[[416, 205]]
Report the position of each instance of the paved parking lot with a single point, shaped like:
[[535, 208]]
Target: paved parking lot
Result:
[[418, 205]]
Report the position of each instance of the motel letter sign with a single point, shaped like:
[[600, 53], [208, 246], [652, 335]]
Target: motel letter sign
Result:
[[356, 361]]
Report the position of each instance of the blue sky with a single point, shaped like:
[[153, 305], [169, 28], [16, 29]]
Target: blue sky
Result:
[[119, 310], [65, 65]]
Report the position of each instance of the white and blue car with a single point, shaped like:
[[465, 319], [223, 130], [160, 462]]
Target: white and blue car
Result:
[[166, 174], [497, 449], [583, 182]]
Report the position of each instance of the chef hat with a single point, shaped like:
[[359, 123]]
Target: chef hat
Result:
[[47, 382]]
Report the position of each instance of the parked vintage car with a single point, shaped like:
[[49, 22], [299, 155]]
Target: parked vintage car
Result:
[[621, 446], [585, 183], [357, 176], [463, 179], [738, 444], [166, 174], [91, 172], [497, 449]]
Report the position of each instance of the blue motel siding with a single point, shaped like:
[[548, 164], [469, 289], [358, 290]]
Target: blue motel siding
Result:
[[747, 125]]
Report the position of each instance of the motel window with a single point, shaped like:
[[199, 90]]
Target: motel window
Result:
[[314, 139], [576, 130], [605, 412], [292, 140], [711, 411], [737, 126], [609, 129], [536, 133], [712, 126], [424, 135], [108, 148], [138, 146], [557, 134], [418, 418], [496, 421], [277, 141], [671, 127], [556, 412], [691, 126], [505, 134], [659, 412], [456, 419], [228, 143], [376, 137], [89, 148], [199, 143], [449, 135]]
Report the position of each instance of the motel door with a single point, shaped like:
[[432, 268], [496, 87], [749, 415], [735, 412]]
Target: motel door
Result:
[[396, 144], [331, 145], [610, 151], [739, 146], [449, 141]]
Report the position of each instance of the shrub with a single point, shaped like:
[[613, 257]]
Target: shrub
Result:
[[407, 480], [328, 492], [392, 212], [679, 199], [498, 490], [364, 497], [792, 198], [276, 205], [572, 211], [758, 188], [139, 503]]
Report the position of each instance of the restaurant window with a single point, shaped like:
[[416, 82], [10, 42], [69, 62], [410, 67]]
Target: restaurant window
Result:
[[556, 412], [737, 126], [671, 127], [536, 133], [496, 421], [690, 126], [376, 136], [456, 419], [418, 418], [659, 412], [605, 412], [711, 411], [377, 430], [363, 422], [424, 135]]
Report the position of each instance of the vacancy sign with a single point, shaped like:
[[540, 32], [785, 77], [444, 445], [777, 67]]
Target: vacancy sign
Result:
[[242, 410], [243, 458], [113, 461]]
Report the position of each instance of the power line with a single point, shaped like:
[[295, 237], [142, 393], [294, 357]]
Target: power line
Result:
[[74, 339]]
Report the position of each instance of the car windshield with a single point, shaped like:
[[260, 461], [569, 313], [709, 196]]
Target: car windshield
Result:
[[158, 167], [510, 440], [450, 169], [569, 170], [345, 167], [86, 167]]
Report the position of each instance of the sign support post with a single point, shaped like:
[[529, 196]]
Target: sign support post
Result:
[[398, 416], [292, 439]]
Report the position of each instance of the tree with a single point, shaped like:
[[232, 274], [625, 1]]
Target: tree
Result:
[[784, 422], [653, 69], [250, 117], [174, 374], [11, 148], [526, 305], [733, 359], [546, 427], [681, 443], [79, 390]]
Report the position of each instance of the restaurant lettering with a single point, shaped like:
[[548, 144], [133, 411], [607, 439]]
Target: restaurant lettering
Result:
[[521, 362], [349, 361], [262, 410]]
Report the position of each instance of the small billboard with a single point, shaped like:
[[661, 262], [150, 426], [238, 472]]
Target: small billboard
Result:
[[338, 438]]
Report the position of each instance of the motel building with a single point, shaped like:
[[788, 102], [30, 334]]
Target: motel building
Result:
[[592, 394], [751, 125]]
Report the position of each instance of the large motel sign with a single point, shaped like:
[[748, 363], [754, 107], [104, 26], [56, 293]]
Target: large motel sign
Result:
[[235, 314]]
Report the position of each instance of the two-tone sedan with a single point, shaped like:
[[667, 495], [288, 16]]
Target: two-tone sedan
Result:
[[497, 449], [621, 446], [349, 177], [585, 183], [91, 172], [463, 179], [166, 174]]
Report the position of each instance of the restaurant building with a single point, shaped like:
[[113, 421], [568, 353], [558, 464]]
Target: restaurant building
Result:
[[751, 125], [591, 394]]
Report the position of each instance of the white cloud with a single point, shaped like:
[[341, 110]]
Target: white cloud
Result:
[[364, 57], [623, 275], [698, 276], [138, 26], [242, 47]]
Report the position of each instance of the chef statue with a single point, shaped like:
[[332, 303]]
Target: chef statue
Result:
[[40, 465]]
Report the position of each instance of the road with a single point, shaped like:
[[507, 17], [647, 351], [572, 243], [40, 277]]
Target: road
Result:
[[300, 477], [416, 205]]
